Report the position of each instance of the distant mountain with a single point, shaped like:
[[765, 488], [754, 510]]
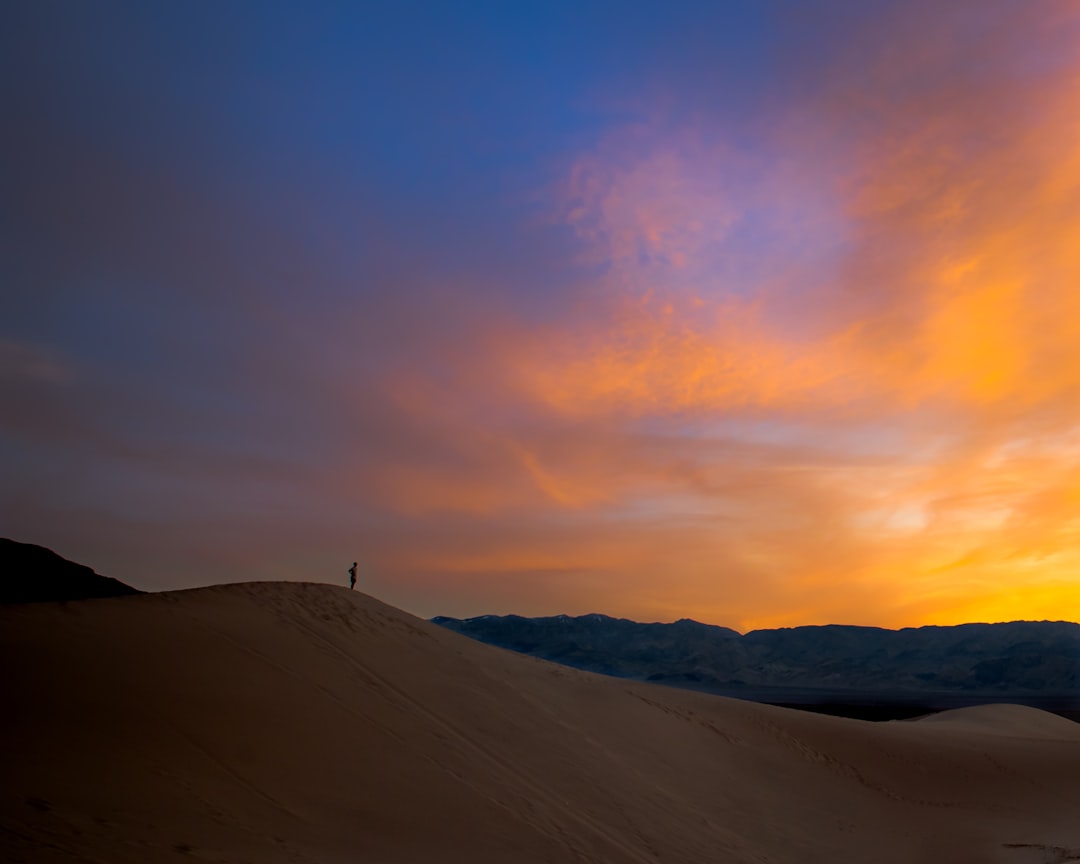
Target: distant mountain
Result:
[[30, 574], [1022, 656]]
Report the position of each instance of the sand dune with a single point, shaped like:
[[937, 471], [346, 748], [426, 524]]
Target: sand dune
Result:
[[304, 723]]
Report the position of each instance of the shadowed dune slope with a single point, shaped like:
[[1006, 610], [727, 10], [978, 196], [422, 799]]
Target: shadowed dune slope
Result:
[[304, 723]]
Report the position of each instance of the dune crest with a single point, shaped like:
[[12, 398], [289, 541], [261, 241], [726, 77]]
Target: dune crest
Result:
[[284, 722], [1015, 720]]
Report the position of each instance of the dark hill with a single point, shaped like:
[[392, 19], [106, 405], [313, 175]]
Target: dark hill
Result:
[[32, 574]]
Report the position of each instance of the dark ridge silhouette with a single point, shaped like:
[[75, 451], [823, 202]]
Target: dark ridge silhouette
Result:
[[862, 672], [34, 574]]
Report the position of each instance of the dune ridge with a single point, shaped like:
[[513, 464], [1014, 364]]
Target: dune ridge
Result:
[[301, 723]]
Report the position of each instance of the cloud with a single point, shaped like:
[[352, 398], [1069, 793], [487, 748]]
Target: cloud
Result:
[[813, 364], [942, 303]]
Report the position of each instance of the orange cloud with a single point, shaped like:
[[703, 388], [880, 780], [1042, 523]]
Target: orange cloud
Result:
[[924, 365]]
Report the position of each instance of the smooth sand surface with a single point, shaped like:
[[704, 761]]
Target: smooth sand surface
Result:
[[305, 723]]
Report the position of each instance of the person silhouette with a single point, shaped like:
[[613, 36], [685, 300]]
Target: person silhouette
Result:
[[352, 576]]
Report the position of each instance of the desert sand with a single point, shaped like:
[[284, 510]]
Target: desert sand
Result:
[[280, 722]]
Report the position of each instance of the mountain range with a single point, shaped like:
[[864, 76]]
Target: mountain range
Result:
[[1027, 658]]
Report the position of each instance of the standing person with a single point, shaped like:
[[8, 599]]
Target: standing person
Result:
[[352, 576]]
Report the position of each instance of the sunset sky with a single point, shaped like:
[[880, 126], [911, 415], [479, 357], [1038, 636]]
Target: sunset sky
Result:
[[759, 313]]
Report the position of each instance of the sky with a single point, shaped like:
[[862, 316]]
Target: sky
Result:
[[759, 313]]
